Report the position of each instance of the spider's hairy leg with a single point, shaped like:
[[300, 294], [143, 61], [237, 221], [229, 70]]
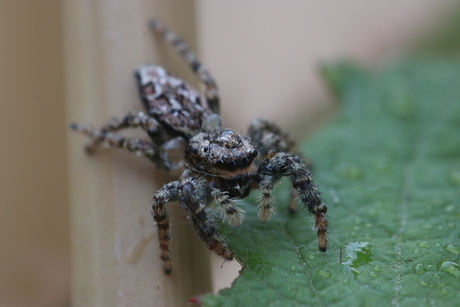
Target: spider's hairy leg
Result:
[[234, 214], [211, 89], [132, 120], [269, 138], [116, 141], [285, 164], [194, 202], [169, 192]]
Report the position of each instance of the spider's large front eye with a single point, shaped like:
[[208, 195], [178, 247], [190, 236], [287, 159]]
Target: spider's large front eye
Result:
[[205, 149]]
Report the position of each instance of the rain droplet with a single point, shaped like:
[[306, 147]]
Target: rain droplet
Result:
[[373, 274], [312, 256], [453, 248], [293, 268], [419, 268], [324, 273], [424, 244], [451, 268], [416, 251], [377, 268]]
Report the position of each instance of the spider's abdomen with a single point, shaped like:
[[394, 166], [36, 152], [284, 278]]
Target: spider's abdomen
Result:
[[174, 103]]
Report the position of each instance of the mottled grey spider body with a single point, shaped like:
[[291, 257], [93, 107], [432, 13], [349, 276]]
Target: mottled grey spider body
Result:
[[221, 165]]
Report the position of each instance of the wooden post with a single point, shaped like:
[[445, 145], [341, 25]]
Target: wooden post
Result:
[[115, 250]]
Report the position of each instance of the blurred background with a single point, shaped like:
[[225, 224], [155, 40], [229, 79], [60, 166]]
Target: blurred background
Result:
[[264, 55]]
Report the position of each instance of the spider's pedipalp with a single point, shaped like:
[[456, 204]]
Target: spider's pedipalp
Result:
[[266, 201], [229, 210]]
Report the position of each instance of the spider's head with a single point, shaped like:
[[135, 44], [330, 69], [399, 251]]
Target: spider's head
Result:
[[220, 152]]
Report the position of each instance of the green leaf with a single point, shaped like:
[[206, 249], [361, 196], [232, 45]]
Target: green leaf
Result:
[[389, 170]]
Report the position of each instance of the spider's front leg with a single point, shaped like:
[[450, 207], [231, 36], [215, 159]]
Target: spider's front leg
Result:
[[268, 137], [168, 193], [285, 164], [194, 200]]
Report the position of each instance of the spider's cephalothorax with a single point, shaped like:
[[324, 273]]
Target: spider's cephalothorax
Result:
[[221, 165], [221, 153]]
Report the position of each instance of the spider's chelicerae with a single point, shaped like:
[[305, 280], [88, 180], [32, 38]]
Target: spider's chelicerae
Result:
[[221, 165]]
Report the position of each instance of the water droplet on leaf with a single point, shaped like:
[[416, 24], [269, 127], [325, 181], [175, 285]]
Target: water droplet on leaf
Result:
[[453, 248], [324, 273], [451, 268], [424, 244], [419, 268]]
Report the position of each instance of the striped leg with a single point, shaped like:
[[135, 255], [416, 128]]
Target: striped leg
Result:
[[211, 90], [168, 193], [132, 120], [193, 201], [116, 141]]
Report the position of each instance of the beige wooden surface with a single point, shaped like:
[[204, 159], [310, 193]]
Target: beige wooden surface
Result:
[[115, 250]]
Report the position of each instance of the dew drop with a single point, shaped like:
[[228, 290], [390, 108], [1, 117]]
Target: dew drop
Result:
[[419, 268], [373, 274], [416, 251], [424, 244], [437, 244], [451, 268], [293, 268], [324, 273], [453, 248], [312, 256], [377, 268]]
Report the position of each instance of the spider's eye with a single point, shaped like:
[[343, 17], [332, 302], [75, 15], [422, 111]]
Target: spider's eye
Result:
[[205, 149]]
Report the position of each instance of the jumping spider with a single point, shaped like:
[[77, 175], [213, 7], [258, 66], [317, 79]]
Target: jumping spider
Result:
[[221, 165]]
